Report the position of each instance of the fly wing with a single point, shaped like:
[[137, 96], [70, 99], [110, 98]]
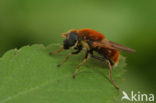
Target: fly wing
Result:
[[121, 47], [112, 45]]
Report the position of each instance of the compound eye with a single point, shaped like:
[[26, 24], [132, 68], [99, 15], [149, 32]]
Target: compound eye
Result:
[[70, 40], [67, 43]]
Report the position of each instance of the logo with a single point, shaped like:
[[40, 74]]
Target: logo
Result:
[[137, 96]]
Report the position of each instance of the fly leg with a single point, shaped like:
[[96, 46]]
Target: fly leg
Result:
[[110, 74], [67, 57], [110, 69], [56, 52], [84, 60], [65, 60]]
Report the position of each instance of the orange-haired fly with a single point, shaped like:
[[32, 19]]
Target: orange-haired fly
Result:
[[91, 41]]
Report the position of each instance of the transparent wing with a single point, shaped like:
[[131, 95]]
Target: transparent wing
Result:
[[112, 45]]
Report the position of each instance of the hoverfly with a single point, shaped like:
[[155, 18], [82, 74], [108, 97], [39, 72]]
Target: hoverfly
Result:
[[90, 40]]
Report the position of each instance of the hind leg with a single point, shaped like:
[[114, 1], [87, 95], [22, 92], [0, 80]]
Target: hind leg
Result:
[[110, 74], [109, 66]]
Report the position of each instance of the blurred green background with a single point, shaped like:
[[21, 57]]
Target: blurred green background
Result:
[[128, 22]]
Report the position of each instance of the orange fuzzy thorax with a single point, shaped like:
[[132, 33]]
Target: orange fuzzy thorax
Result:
[[90, 34]]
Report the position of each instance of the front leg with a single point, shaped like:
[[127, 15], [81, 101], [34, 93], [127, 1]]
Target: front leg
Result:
[[56, 52], [67, 57]]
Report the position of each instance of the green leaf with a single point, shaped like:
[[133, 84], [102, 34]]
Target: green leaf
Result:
[[30, 75]]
